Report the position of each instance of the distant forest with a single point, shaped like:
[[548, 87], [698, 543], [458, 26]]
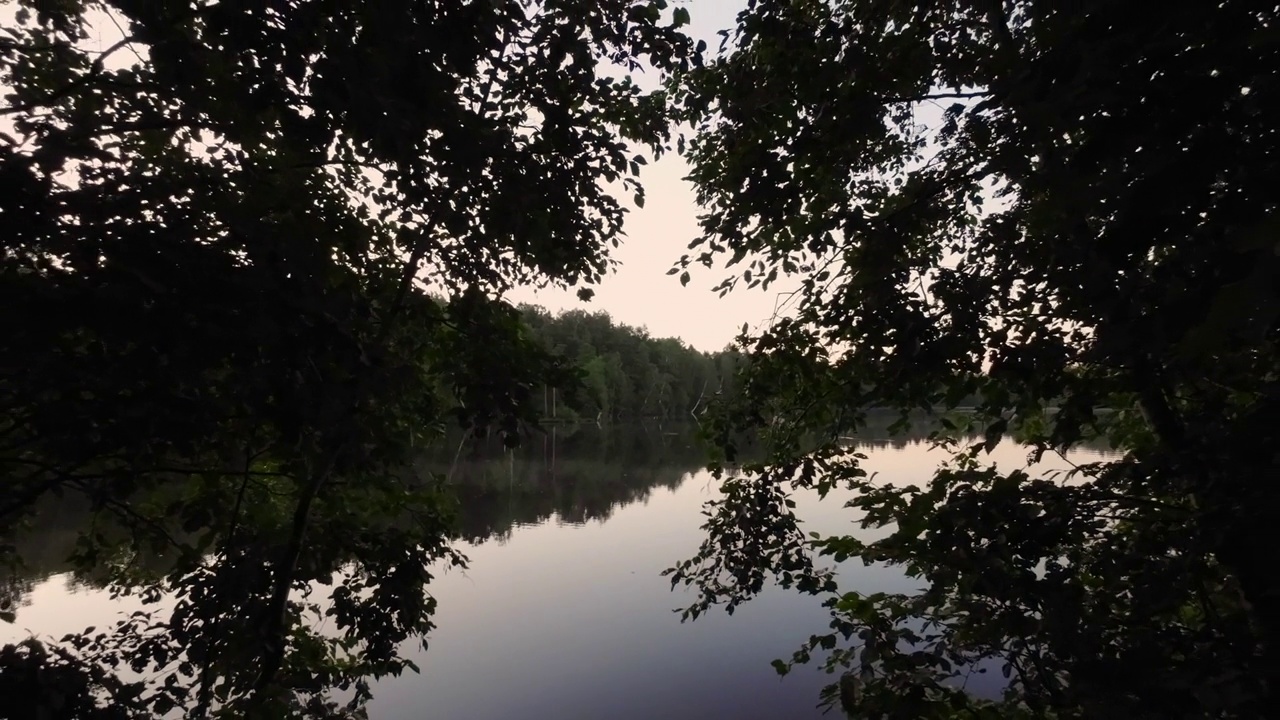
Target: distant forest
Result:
[[623, 372], [626, 374]]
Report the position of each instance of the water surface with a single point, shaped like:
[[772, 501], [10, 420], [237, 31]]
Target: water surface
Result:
[[562, 612]]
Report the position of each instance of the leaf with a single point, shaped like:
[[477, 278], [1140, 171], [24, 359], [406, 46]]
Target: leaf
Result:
[[994, 434]]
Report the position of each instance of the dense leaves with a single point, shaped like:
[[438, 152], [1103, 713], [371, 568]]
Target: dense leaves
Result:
[[220, 225], [1067, 211]]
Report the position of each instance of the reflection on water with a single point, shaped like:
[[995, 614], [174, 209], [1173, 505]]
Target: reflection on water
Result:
[[562, 612], [575, 474]]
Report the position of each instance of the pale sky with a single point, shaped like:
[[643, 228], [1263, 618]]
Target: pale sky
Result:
[[639, 292]]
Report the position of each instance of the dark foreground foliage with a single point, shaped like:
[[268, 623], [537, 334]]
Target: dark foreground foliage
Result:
[[1043, 204], [225, 227]]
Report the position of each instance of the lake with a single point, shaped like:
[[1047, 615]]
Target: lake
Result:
[[562, 612]]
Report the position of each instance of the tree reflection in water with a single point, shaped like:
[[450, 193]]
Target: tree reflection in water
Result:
[[201, 635], [198, 638]]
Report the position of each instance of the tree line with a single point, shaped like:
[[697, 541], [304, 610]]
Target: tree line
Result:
[[624, 373]]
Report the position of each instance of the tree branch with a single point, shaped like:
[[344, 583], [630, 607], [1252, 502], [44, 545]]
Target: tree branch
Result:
[[936, 96]]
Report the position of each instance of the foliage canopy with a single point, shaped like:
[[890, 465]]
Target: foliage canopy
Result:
[[219, 230], [1068, 210]]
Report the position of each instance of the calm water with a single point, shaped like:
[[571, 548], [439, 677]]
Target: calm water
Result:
[[562, 612]]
